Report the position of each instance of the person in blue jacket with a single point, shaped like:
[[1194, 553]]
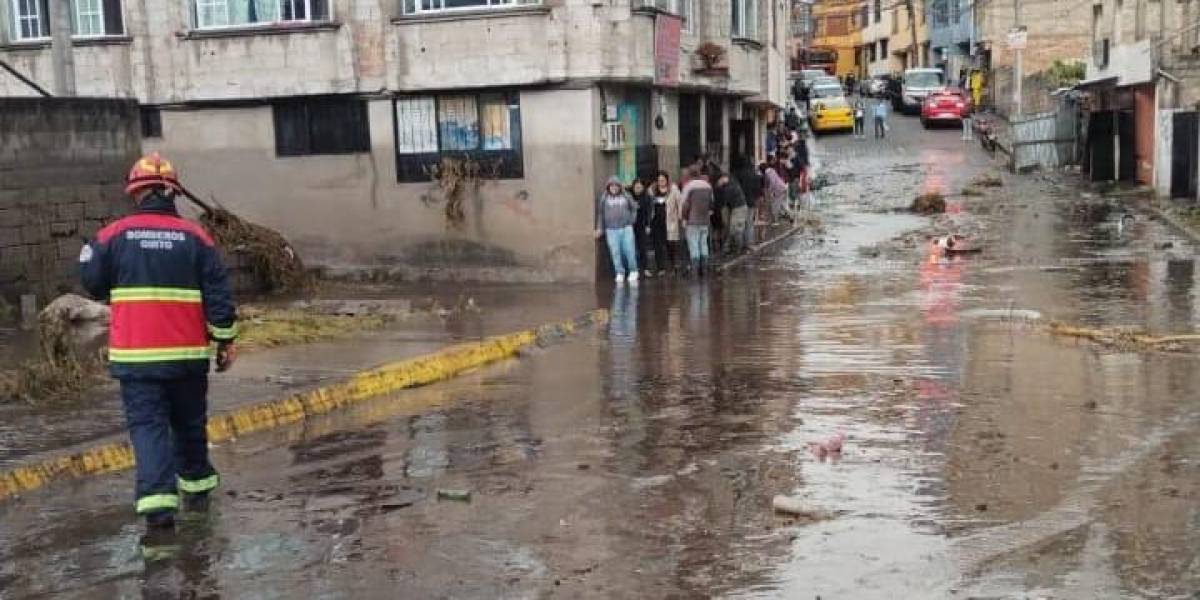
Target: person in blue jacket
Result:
[[170, 299]]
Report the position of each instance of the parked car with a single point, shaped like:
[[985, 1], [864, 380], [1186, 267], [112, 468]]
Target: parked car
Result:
[[826, 80], [917, 84], [949, 105], [875, 86], [831, 113], [825, 90], [807, 76]]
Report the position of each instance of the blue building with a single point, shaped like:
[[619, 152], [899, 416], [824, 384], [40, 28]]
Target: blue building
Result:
[[950, 35]]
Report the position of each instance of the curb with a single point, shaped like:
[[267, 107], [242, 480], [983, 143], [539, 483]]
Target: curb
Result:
[[413, 372], [1170, 219], [759, 249]]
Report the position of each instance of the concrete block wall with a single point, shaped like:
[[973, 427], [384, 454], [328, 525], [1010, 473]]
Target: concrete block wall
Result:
[[62, 171]]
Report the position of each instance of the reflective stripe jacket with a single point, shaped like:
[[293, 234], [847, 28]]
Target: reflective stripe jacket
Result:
[[168, 289]]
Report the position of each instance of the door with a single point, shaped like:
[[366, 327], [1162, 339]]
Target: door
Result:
[[1100, 146], [741, 142], [714, 127], [1185, 136], [1143, 133], [689, 129], [1127, 143]]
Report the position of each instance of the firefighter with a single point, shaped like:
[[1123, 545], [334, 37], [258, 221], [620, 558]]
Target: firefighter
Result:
[[170, 301]]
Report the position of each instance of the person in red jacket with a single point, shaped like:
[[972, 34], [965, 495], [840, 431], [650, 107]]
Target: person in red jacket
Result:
[[170, 301]]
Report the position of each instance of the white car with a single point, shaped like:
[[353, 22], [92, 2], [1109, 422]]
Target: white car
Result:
[[917, 84], [826, 90]]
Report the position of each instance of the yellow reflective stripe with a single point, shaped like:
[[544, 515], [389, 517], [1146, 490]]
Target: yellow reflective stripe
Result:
[[157, 502], [146, 355], [223, 334], [199, 486], [151, 294]]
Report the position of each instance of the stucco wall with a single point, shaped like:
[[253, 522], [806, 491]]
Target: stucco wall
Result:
[[365, 50], [348, 211]]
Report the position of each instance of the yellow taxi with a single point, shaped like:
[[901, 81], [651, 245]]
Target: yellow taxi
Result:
[[831, 113]]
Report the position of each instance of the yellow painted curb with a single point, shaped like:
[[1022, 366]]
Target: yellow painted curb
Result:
[[413, 372]]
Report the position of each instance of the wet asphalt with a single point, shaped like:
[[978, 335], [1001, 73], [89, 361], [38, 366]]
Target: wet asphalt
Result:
[[984, 458]]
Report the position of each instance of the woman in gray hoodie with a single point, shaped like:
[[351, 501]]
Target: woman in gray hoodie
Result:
[[615, 215]]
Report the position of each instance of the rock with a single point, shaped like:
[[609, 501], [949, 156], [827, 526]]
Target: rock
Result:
[[794, 507], [451, 494], [75, 326], [929, 203]]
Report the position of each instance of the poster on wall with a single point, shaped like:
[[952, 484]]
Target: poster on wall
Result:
[[667, 30], [627, 113]]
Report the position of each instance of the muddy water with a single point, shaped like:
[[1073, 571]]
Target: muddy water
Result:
[[984, 458]]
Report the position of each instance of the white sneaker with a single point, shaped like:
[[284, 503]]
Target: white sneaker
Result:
[[633, 277], [649, 274], [620, 278]]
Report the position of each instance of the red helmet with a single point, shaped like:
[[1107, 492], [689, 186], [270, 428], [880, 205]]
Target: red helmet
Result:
[[151, 170]]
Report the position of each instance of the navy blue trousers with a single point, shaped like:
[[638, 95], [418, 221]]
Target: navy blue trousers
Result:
[[167, 420]]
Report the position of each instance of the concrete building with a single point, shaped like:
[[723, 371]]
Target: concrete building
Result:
[[323, 118], [837, 25], [887, 40], [951, 34], [1143, 85]]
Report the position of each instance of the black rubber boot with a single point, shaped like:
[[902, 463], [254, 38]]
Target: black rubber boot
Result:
[[196, 502], [163, 519]]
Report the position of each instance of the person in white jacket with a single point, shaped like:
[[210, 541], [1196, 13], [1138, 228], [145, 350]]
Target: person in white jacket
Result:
[[668, 199]]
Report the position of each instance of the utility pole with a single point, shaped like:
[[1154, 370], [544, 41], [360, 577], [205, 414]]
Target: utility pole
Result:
[[61, 54], [1019, 72], [912, 30]]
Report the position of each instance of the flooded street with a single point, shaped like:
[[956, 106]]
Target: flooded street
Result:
[[984, 457]]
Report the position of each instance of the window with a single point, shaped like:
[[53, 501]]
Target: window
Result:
[[321, 125], [213, 14], [883, 49], [871, 51], [30, 19], [416, 7], [940, 13], [683, 8], [838, 25], [485, 127], [151, 122], [878, 10], [955, 11], [745, 19]]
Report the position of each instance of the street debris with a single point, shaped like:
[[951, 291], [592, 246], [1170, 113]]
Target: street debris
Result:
[[929, 203], [1124, 338], [987, 181], [829, 447], [273, 260], [72, 334], [454, 494], [794, 507], [274, 327], [955, 244]]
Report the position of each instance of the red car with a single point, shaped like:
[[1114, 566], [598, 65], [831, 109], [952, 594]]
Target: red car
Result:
[[950, 105]]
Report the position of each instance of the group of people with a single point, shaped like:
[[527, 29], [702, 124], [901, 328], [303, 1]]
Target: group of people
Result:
[[659, 227]]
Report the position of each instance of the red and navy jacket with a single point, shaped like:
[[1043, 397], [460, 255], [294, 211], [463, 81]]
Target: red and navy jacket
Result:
[[168, 290]]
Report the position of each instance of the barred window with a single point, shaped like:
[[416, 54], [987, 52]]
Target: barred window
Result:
[[485, 126]]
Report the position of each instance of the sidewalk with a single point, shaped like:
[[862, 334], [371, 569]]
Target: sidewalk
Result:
[[32, 432]]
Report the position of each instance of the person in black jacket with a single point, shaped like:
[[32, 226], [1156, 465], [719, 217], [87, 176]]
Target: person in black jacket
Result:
[[751, 182], [641, 225], [733, 201]]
